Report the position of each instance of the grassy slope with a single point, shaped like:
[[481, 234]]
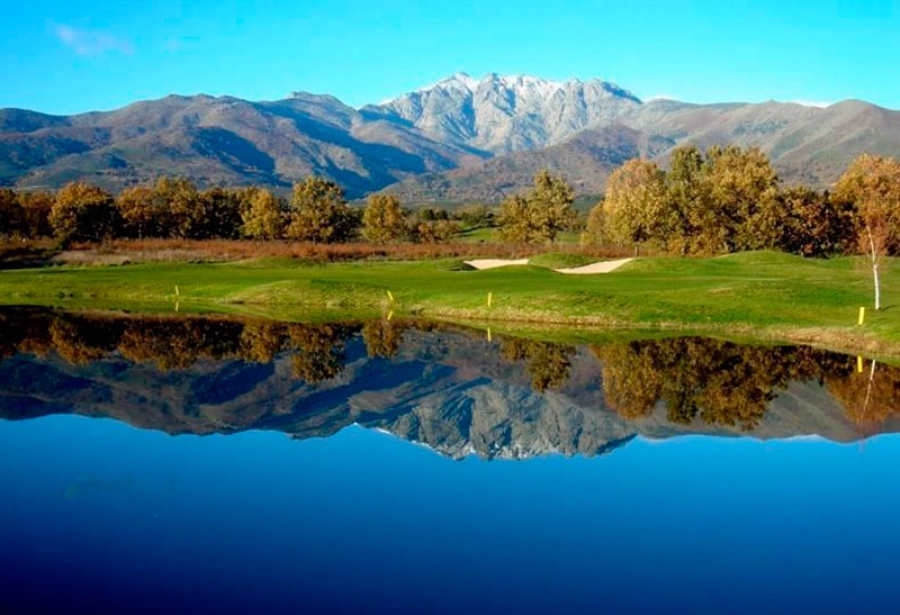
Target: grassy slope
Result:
[[775, 295]]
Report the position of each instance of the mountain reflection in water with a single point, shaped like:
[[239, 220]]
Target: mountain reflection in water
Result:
[[447, 387]]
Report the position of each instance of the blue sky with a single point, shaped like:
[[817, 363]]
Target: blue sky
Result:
[[68, 56]]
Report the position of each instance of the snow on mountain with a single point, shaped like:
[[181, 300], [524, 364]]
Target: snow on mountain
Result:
[[503, 114]]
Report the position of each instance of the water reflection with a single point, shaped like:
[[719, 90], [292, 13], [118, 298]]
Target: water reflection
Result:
[[447, 387]]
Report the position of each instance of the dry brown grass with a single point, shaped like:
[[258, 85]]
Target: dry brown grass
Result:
[[173, 250]]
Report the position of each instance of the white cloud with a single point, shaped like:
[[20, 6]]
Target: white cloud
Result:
[[661, 97], [91, 41]]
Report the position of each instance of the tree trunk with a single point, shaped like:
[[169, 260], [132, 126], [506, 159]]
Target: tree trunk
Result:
[[877, 286], [874, 256]]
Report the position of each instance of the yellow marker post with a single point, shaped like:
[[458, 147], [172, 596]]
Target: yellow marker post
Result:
[[390, 296], [859, 364], [177, 294], [489, 334], [862, 316], [390, 314], [490, 299]]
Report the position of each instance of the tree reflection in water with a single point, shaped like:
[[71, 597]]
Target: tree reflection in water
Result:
[[713, 381]]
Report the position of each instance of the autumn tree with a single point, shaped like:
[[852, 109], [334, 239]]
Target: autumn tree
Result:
[[689, 212], [383, 219], [742, 187], [83, 213], [175, 201], [633, 209], [540, 214], [872, 186], [319, 212], [138, 211], [264, 217], [814, 224], [426, 226], [318, 351], [382, 338], [218, 215], [595, 228], [11, 214], [548, 364], [36, 206]]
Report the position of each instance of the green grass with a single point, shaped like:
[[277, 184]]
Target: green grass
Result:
[[778, 296]]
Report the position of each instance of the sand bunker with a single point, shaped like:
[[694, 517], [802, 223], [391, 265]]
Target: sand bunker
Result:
[[601, 267], [492, 263]]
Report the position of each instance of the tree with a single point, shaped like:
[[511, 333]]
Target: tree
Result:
[[634, 205], [539, 215], [742, 185], [11, 214], [429, 225], [872, 185], [814, 223], [36, 208], [218, 215], [175, 201], [596, 225], [551, 202], [83, 213], [383, 219], [264, 218], [689, 211], [475, 215], [139, 215], [319, 212]]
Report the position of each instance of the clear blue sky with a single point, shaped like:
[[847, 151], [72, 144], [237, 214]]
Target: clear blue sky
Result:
[[64, 56]]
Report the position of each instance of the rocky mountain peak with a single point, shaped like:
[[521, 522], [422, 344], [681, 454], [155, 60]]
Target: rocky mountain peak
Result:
[[508, 113]]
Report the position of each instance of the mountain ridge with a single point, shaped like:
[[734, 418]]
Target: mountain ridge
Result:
[[459, 139]]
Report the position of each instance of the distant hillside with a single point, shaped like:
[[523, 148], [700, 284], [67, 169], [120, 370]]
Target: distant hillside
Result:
[[218, 141], [586, 160], [807, 145], [461, 139]]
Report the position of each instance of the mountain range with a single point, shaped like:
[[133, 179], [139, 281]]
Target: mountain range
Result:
[[460, 139]]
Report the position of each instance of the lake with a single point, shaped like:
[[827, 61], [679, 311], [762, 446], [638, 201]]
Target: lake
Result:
[[233, 465]]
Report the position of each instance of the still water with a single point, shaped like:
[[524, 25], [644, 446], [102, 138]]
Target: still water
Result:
[[220, 465]]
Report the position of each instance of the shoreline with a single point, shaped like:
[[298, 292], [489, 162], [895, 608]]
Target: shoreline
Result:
[[766, 296]]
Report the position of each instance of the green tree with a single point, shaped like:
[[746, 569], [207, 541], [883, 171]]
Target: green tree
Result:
[[319, 212], [265, 216], [383, 219], [872, 185], [539, 215], [83, 213]]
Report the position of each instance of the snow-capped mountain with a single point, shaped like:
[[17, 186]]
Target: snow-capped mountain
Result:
[[503, 114]]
